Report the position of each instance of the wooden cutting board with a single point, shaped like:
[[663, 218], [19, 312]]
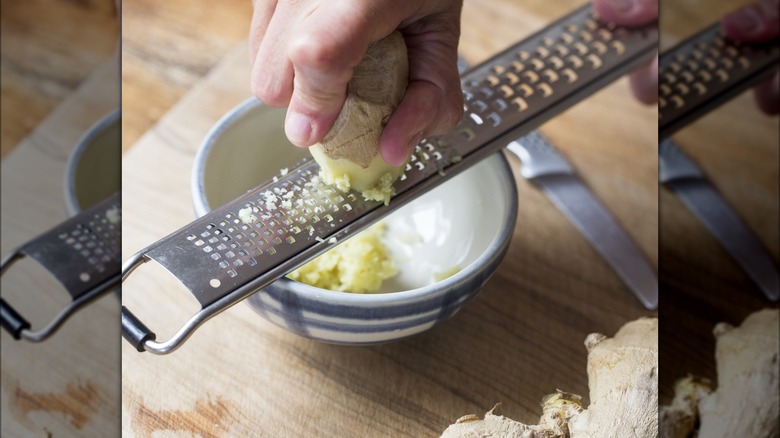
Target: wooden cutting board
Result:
[[520, 339], [67, 385]]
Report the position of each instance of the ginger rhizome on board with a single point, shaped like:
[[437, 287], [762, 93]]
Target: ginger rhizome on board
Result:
[[747, 400], [623, 381]]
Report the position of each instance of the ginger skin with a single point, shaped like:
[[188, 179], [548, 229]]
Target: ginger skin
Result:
[[747, 401], [623, 380], [349, 153]]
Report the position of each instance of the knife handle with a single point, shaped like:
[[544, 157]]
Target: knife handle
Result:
[[674, 165], [538, 157], [704, 71]]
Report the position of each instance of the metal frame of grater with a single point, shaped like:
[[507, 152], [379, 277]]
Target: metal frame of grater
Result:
[[83, 253], [706, 70], [222, 259]]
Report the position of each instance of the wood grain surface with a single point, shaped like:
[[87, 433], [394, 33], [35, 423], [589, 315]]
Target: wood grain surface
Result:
[[67, 385], [738, 149], [520, 339], [167, 47], [48, 49]]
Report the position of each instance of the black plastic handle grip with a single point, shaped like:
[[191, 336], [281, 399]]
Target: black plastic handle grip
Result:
[[134, 331], [11, 320]]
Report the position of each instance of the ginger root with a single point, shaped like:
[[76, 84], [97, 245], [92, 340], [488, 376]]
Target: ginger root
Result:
[[747, 401], [623, 380], [349, 153]]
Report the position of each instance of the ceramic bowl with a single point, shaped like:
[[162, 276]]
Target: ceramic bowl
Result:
[[93, 170], [465, 223]]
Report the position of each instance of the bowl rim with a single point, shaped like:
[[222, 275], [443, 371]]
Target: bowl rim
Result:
[[197, 187], [490, 254], [74, 158]]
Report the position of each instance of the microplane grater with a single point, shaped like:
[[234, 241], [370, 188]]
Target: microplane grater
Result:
[[83, 253], [227, 255], [706, 70]]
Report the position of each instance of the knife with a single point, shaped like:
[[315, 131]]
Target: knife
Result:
[[544, 166], [680, 174]]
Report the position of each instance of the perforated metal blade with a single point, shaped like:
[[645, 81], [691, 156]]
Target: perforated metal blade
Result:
[[704, 71], [246, 244], [83, 253]]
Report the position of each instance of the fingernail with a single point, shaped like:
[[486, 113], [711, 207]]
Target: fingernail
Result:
[[745, 21], [298, 129]]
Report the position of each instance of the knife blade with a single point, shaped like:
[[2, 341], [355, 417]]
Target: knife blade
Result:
[[680, 174], [544, 166]]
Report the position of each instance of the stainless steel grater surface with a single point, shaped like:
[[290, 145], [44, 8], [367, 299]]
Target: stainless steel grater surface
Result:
[[705, 71], [253, 240], [83, 254]]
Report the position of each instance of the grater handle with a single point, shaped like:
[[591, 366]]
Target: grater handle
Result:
[[12, 321], [19, 328], [134, 331]]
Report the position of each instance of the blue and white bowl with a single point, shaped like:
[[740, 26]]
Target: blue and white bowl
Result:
[[465, 223]]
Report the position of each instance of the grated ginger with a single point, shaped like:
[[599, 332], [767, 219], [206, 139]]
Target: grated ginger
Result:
[[358, 265]]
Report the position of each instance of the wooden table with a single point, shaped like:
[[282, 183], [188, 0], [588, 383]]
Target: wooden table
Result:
[[738, 149], [520, 339], [49, 48], [167, 47]]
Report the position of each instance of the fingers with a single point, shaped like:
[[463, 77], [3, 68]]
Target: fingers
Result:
[[433, 102], [644, 82], [767, 94], [304, 54], [271, 77], [261, 17], [627, 12], [416, 117], [323, 57], [755, 22], [306, 58]]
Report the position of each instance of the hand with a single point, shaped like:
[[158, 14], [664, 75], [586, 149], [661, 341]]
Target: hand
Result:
[[644, 80], [754, 23], [303, 52]]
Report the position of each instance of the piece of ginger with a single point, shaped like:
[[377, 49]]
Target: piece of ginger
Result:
[[349, 153], [623, 380], [747, 400]]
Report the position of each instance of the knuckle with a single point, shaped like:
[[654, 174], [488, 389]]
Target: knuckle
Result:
[[310, 52]]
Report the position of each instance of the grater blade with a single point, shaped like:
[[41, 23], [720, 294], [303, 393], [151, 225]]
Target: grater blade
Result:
[[704, 71], [83, 253], [222, 259]]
